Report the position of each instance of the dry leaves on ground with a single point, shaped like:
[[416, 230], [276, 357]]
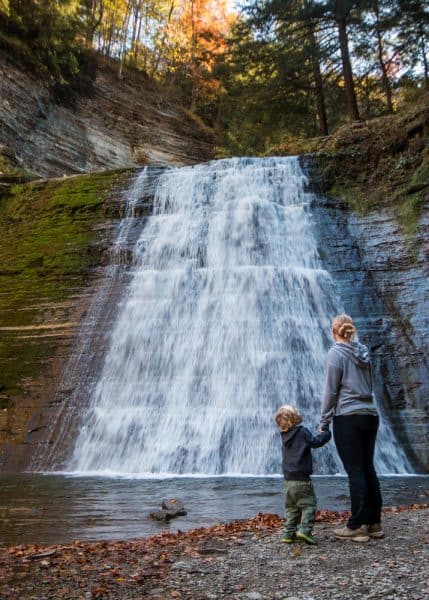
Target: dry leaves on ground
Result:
[[109, 564]]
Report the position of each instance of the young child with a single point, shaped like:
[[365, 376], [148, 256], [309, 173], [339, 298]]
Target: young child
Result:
[[300, 499]]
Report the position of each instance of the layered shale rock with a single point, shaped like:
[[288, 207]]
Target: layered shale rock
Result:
[[382, 275], [55, 240], [124, 123], [373, 225]]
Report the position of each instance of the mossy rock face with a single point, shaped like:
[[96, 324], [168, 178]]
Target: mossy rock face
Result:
[[47, 230]]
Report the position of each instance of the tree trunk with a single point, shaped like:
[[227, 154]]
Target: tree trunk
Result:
[[136, 12], [94, 22], [385, 83], [157, 59], [347, 70], [318, 81], [111, 31], [123, 43], [218, 120], [193, 59], [139, 31], [425, 62]]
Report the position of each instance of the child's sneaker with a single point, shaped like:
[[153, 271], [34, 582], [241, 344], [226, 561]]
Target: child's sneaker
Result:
[[375, 531], [288, 539], [305, 537], [356, 535]]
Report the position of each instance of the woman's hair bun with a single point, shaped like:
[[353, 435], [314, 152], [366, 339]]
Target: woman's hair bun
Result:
[[347, 330], [343, 326]]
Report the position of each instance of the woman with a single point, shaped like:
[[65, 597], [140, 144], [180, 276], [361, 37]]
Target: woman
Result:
[[348, 401]]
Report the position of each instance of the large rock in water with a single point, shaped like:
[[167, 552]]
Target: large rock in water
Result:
[[382, 276], [124, 123], [170, 509]]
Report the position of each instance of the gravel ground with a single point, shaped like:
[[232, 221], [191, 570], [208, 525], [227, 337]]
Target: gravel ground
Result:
[[231, 563]]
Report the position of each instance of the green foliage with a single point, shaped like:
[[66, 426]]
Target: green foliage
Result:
[[43, 36], [272, 92], [261, 101]]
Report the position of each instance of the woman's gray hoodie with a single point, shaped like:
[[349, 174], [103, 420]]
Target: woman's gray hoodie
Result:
[[348, 382]]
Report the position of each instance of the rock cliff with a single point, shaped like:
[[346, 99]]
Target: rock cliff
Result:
[[372, 216], [382, 274], [54, 247], [124, 123]]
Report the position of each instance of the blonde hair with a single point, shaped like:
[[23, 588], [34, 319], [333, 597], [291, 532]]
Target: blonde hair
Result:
[[287, 416], [344, 327]]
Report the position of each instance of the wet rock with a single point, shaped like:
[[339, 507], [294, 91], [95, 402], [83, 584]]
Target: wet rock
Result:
[[160, 515], [170, 509], [174, 506]]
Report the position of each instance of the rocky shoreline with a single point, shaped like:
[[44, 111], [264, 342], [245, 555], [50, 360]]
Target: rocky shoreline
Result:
[[244, 559]]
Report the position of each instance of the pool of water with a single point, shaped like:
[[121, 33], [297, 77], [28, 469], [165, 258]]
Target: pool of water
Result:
[[52, 509]]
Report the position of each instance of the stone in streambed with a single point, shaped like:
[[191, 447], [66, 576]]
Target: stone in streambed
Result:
[[174, 506], [170, 509], [160, 515]]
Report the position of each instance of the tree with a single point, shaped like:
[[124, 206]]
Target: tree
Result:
[[342, 11], [413, 32], [199, 29], [294, 25]]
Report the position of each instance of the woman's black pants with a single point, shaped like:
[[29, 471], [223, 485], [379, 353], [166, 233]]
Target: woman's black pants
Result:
[[354, 437]]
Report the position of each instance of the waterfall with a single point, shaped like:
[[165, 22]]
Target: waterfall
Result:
[[226, 317]]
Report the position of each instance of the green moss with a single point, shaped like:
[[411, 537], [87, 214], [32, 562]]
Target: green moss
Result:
[[410, 211], [5, 166], [421, 174], [352, 195], [407, 207], [46, 230]]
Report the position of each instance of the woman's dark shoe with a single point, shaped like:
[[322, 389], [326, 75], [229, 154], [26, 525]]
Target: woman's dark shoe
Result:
[[375, 531]]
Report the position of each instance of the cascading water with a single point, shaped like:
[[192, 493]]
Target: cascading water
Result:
[[226, 317]]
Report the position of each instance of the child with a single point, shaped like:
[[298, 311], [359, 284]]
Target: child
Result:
[[300, 499]]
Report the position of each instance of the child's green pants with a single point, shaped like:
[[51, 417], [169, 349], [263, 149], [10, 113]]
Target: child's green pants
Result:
[[301, 505]]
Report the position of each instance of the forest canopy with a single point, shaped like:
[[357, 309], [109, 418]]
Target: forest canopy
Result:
[[261, 72]]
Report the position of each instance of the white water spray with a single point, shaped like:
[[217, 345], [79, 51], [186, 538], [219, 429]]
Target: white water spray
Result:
[[226, 317]]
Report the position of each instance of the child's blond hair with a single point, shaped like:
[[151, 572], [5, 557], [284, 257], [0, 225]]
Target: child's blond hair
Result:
[[287, 416]]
